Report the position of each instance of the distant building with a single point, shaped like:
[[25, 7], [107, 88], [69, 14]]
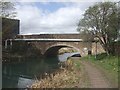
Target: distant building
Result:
[[10, 28]]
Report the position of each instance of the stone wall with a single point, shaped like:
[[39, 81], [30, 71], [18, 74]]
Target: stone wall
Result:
[[44, 45], [55, 36], [99, 48], [115, 47]]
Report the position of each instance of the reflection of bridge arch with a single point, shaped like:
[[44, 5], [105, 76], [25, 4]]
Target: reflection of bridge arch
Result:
[[53, 49]]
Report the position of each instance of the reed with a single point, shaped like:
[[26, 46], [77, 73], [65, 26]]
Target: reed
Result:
[[64, 77]]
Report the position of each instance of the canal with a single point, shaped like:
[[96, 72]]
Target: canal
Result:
[[23, 73]]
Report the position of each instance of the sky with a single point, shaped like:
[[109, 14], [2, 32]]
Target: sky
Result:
[[45, 16]]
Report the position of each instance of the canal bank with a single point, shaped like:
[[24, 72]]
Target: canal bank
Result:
[[73, 75], [84, 73], [22, 72]]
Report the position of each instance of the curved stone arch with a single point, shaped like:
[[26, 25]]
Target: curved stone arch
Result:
[[58, 46], [67, 45]]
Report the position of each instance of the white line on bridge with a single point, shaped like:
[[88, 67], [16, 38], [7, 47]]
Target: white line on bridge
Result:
[[73, 40]]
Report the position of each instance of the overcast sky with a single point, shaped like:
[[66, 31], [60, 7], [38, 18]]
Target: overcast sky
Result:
[[51, 17]]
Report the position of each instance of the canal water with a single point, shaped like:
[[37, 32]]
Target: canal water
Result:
[[23, 73]]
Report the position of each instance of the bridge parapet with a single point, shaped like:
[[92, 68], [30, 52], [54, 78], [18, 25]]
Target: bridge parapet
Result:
[[51, 36]]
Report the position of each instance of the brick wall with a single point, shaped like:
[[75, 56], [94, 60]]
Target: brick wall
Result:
[[99, 48]]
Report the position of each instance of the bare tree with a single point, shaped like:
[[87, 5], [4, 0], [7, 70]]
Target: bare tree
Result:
[[8, 9]]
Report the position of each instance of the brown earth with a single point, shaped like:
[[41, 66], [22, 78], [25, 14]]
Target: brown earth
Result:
[[95, 76]]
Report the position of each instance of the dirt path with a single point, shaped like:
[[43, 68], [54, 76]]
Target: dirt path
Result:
[[96, 79]]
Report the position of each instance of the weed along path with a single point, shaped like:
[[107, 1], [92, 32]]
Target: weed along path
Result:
[[96, 78], [76, 73]]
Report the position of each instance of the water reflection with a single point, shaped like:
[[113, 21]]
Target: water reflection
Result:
[[65, 56], [24, 82], [15, 74], [24, 73]]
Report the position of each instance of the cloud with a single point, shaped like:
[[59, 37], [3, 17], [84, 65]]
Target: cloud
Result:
[[36, 20], [62, 0], [58, 0]]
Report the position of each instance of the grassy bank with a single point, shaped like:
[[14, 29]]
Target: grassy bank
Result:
[[108, 65], [68, 76], [73, 74]]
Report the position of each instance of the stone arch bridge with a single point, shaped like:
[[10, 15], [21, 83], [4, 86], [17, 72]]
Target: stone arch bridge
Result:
[[49, 44]]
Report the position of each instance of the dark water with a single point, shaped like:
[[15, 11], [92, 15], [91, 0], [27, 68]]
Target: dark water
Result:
[[23, 73]]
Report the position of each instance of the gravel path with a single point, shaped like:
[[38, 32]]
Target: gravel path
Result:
[[96, 79]]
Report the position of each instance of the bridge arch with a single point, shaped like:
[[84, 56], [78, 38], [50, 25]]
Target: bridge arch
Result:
[[53, 49]]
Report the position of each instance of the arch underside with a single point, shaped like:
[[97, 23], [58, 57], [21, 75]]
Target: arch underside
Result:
[[53, 50]]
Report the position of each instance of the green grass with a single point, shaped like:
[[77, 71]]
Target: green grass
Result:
[[77, 64], [108, 64]]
